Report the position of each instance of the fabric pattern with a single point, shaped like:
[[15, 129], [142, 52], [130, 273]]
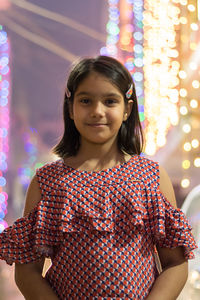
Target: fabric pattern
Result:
[[100, 230]]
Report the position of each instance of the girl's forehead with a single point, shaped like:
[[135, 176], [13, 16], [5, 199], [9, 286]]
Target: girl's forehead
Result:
[[96, 82]]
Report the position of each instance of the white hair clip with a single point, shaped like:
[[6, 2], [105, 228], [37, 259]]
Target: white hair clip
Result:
[[68, 93], [129, 92]]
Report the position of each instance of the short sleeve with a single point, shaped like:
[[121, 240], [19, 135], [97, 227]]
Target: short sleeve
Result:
[[25, 241], [169, 226]]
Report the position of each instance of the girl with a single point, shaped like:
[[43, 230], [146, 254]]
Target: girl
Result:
[[101, 209]]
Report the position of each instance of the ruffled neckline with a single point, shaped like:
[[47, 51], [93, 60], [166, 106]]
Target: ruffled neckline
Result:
[[107, 170]]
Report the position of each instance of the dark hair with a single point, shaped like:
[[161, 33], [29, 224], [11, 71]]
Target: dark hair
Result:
[[130, 136]]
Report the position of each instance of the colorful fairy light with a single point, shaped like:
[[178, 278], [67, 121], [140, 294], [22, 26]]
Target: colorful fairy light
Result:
[[4, 122], [198, 9], [158, 42], [185, 182], [112, 29], [26, 171], [131, 45], [189, 86], [161, 69], [125, 41]]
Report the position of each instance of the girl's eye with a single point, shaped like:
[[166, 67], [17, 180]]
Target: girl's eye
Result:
[[111, 101], [84, 101]]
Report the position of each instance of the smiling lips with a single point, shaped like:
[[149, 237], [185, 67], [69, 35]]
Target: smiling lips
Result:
[[97, 125]]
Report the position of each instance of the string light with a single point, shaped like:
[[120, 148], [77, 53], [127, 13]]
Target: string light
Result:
[[189, 85], [197, 162], [183, 110], [161, 71], [125, 42], [194, 103], [195, 84], [186, 164], [195, 143], [112, 29], [185, 183], [4, 122], [131, 45], [194, 26], [182, 74], [26, 171], [183, 92], [183, 2], [187, 146], [191, 8], [186, 128]]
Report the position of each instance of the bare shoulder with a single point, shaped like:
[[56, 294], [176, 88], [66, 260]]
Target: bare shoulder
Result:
[[166, 186], [33, 195]]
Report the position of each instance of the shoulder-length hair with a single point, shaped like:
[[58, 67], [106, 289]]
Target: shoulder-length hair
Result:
[[130, 135]]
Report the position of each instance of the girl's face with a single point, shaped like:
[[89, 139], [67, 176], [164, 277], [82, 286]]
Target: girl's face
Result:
[[98, 110]]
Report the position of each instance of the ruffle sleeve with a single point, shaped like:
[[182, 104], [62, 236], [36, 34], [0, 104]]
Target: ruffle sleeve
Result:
[[59, 212], [26, 241], [169, 225]]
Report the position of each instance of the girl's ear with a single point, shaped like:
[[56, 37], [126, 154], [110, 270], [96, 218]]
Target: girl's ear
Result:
[[128, 109]]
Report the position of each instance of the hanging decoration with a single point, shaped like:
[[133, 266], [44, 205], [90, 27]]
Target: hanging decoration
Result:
[[189, 89], [4, 122], [125, 41]]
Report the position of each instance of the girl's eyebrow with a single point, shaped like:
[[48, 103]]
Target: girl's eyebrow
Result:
[[104, 95]]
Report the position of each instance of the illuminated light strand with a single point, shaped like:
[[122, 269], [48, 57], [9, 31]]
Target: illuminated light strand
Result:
[[189, 87], [138, 53], [26, 171], [112, 29], [125, 41], [161, 69], [4, 122], [131, 45]]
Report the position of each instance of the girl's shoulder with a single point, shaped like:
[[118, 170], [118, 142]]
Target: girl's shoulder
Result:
[[50, 167], [148, 169]]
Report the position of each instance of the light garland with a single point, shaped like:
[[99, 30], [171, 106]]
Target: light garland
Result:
[[112, 29], [26, 171], [125, 41], [161, 69], [4, 122], [188, 104], [147, 33]]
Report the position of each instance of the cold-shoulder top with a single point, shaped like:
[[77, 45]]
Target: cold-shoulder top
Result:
[[100, 230]]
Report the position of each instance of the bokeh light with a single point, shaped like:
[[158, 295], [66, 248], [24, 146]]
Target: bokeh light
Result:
[[161, 71], [4, 122], [186, 164], [185, 183], [195, 143], [187, 146], [197, 162]]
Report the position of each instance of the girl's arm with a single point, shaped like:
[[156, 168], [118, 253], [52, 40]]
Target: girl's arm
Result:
[[174, 273], [28, 277], [30, 282], [173, 277]]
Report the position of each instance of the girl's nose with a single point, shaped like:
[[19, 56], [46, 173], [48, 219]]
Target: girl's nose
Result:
[[97, 110]]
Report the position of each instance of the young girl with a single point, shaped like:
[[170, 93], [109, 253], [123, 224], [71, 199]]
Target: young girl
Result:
[[101, 209]]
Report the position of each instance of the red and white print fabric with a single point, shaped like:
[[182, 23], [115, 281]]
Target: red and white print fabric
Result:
[[99, 228]]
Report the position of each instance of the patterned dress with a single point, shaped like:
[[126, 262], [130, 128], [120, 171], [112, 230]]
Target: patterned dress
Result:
[[100, 229]]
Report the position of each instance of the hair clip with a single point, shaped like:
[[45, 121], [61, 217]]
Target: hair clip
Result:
[[129, 92], [68, 93]]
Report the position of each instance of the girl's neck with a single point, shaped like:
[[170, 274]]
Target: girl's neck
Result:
[[97, 159]]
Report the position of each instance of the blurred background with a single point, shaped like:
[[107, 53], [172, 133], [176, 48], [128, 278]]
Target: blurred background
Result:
[[158, 41]]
